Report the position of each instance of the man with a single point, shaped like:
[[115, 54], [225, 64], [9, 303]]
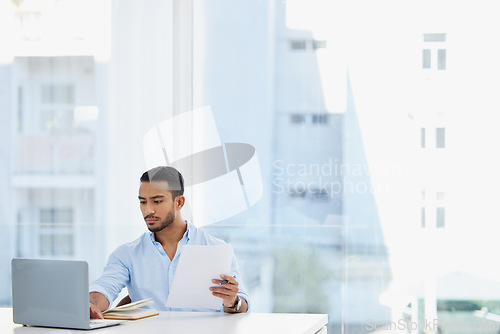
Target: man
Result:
[[147, 265]]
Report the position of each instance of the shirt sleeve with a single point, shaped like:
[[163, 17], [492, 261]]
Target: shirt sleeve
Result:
[[115, 277], [235, 272]]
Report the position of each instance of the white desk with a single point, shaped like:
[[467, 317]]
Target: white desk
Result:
[[192, 322]]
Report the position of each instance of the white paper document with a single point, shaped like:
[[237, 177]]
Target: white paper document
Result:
[[198, 265]]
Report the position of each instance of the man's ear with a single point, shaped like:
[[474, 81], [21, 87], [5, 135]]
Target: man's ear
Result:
[[179, 202]]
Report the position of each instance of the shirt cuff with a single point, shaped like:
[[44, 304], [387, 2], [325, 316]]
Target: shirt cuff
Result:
[[101, 290]]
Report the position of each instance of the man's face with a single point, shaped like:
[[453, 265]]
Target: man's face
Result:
[[157, 205]]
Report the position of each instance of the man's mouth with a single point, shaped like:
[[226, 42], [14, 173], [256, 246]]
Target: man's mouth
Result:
[[151, 220]]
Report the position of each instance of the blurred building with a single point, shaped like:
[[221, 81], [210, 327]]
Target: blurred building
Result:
[[375, 135], [52, 149]]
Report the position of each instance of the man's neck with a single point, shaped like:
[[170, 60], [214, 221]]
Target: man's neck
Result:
[[171, 234]]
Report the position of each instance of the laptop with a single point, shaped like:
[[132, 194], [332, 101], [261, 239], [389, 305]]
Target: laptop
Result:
[[52, 293]]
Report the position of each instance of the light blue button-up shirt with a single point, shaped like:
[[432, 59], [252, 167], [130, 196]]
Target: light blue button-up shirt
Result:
[[143, 266]]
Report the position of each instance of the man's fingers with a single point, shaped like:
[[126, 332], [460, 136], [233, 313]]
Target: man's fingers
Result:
[[225, 289], [226, 299], [221, 295], [95, 313], [229, 278], [227, 281]]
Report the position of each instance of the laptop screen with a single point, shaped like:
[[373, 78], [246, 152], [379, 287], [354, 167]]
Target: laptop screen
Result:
[[50, 293]]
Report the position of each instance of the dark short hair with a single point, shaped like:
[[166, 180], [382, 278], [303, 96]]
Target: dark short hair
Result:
[[166, 173]]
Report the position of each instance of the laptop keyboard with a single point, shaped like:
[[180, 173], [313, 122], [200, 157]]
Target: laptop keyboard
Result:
[[102, 322]]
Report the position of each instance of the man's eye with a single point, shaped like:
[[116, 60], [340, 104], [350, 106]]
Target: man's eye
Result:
[[142, 202], [157, 202]]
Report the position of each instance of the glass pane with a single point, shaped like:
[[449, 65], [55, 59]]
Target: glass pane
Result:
[[422, 215], [56, 94], [441, 59], [51, 158], [440, 222], [20, 108], [314, 242], [298, 44], [319, 119], [426, 58], [56, 120], [434, 37], [319, 44], [58, 245], [297, 119], [440, 138], [56, 216], [332, 222]]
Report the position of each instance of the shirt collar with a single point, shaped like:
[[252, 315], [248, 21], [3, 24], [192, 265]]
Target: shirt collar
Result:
[[184, 237]]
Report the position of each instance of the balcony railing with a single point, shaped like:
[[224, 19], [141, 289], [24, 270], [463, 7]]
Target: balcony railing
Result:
[[55, 154]]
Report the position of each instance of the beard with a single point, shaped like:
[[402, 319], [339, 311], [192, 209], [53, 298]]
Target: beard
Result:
[[164, 223]]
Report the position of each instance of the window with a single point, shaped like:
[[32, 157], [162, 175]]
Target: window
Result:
[[57, 94], [307, 44], [319, 44], [56, 108], [440, 137], [434, 52], [297, 119], [297, 45], [20, 108], [56, 232], [422, 217], [426, 58], [440, 217], [320, 109], [319, 119], [319, 194], [434, 37], [441, 60]]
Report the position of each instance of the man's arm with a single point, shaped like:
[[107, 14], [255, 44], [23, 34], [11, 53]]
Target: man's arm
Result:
[[107, 287], [97, 304]]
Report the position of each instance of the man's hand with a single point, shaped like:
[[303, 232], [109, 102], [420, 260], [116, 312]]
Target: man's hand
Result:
[[95, 313], [227, 290], [97, 304]]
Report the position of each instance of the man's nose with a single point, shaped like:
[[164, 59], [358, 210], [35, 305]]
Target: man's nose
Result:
[[149, 209]]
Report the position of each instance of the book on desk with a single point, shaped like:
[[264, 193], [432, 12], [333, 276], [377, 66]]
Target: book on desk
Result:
[[132, 311]]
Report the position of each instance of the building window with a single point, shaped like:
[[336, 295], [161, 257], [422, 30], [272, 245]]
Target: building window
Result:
[[57, 94], [56, 232], [440, 217], [422, 137], [319, 194], [426, 59], [319, 44], [441, 60], [56, 108], [320, 119], [422, 217], [299, 191], [306, 44], [20, 108], [298, 44], [440, 138], [434, 38], [434, 52], [297, 119]]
